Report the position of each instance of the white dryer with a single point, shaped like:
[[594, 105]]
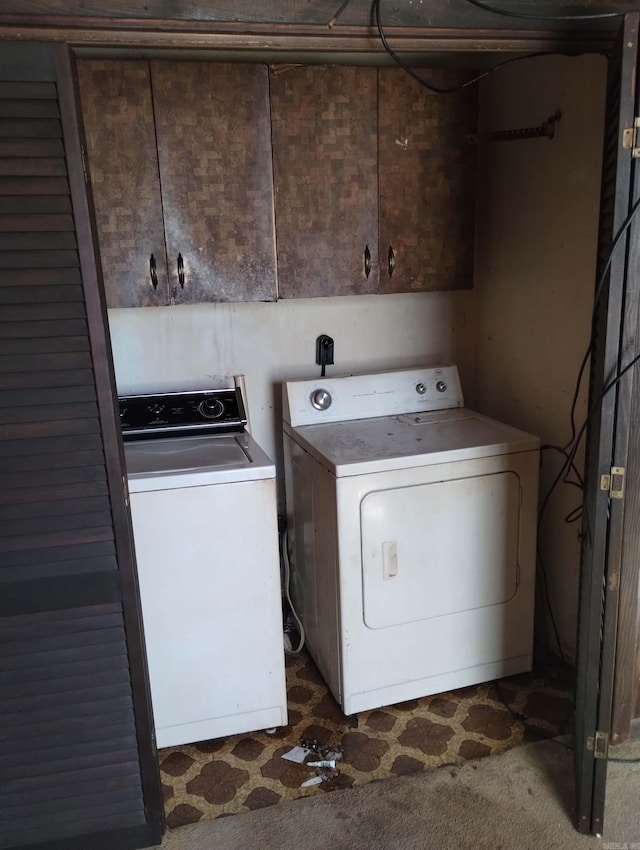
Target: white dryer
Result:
[[412, 530]]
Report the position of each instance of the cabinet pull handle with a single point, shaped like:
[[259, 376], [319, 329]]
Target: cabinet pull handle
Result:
[[367, 261], [392, 261], [180, 271], [153, 274]]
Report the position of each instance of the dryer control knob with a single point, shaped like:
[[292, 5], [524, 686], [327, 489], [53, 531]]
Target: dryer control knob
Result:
[[321, 399], [441, 386], [421, 388]]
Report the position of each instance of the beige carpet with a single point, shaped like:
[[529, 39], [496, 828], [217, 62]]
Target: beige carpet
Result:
[[518, 800], [247, 772]]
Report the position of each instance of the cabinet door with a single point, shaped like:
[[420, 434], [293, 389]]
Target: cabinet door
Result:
[[325, 169], [427, 183], [214, 152], [121, 146]]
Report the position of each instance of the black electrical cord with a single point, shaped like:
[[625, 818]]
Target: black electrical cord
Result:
[[453, 89], [593, 409], [572, 445], [570, 449], [542, 573], [566, 467], [575, 514], [598, 292], [546, 447], [511, 13]]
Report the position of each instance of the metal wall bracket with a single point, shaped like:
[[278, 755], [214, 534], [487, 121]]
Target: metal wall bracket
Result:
[[546, 130], [599, 745]]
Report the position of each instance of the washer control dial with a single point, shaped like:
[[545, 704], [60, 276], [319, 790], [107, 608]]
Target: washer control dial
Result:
[[211, 408], [321, 399], [421, 388], [441, 386]]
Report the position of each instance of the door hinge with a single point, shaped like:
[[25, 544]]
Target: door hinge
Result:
[[613, 482], [630, 138], [599, 745], [125, 488]]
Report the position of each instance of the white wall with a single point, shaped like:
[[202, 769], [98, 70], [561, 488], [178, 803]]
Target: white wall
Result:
[[535, 272], [191, 347]]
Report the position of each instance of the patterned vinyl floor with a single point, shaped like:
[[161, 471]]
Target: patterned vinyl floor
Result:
[[244, 772]]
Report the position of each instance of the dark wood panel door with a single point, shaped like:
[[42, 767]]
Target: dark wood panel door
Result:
[[77, 754], [119, 127], [427, 182], [611, 431], [325, 169], [214, 150]]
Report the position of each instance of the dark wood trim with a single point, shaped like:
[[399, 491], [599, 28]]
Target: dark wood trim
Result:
[[602, 517], [132, 838], [112, 439], [287, 11], [626, 531], [157, 33]]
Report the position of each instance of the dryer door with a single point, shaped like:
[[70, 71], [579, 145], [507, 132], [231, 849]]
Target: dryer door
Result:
[[440, 548]]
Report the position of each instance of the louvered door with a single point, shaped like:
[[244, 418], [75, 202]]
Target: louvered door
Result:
[[78, 767], [613, 345]]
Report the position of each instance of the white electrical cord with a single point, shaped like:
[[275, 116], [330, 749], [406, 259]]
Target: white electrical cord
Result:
[[284, 555]]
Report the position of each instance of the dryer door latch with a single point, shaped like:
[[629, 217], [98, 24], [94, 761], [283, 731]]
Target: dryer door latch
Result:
[[613, 483]]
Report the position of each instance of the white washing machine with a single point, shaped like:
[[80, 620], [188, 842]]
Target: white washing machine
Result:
[[412, 531], [203, 508]]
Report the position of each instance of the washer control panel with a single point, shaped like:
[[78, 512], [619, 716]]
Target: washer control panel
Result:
[[367, 396], [171, 414]]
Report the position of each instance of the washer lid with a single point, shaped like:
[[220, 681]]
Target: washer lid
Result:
[[194, 461], [409, 440]]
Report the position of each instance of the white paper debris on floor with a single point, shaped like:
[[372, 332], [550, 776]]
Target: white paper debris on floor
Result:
[[297, 754]]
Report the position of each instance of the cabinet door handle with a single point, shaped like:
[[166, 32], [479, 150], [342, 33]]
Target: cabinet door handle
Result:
[[153, 274], [367, 261], [392, 261], [180, 271]]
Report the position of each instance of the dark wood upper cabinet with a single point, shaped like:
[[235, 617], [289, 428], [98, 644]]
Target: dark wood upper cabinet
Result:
[[371, 176], [373, 173], [325, 169], [214, 152], [427, 179], [118, 122], [181, 172]]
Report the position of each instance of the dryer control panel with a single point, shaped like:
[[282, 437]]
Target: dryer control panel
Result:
[[367, 396]]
